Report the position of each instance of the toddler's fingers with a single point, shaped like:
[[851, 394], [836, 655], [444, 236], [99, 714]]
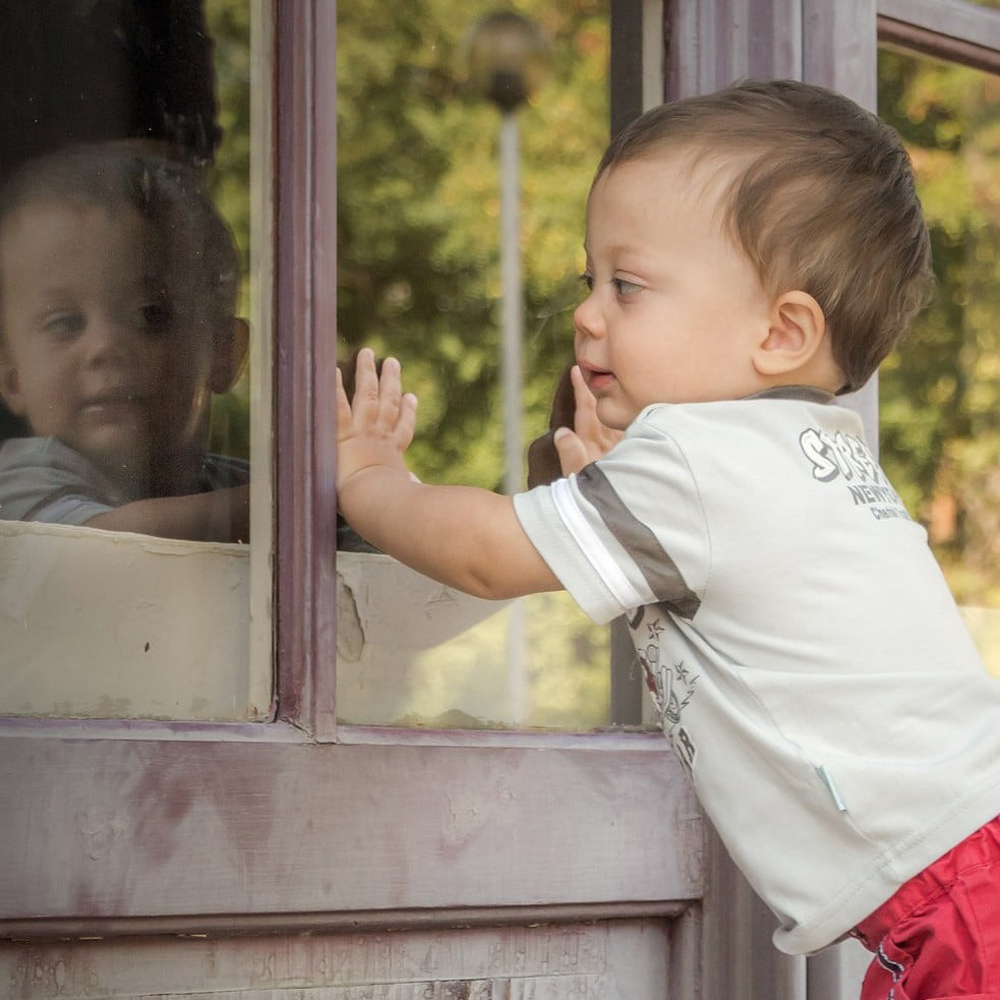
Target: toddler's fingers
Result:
[[597, 438], [585, 418], [406, 421], [571, 450], [366, 389], [344, 415], [390, 392], [582, 395]]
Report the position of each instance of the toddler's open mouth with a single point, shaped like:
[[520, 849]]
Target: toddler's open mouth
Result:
[[597, 378], [112, 403]]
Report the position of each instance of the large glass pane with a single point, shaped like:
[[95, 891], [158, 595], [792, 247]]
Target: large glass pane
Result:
[[426, 164], [940, 391], [125, 330]]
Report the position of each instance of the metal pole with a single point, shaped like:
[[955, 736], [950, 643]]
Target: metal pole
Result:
[[511, 377], [513, 294]]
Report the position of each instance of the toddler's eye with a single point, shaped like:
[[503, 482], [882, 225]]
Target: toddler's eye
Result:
[[624, 287], [587, 280], [156, 316], [65, 325]]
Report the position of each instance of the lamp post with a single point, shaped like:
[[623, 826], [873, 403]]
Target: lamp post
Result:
[[507, 58]]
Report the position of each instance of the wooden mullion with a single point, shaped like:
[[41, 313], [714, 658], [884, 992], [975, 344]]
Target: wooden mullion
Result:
[[306, 311]]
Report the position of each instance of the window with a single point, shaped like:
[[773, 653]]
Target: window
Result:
[[154, 836], [424, 195], [126, 444]]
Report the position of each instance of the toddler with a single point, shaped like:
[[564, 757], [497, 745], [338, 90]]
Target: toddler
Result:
[[118, 285], [752, 254]]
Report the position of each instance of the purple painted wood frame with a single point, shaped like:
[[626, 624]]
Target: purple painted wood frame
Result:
[[133, 827], [306, 309], [186, 835], [948, 29]]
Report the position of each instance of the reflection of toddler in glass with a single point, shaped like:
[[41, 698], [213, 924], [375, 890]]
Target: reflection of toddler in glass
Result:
[[118, 284]]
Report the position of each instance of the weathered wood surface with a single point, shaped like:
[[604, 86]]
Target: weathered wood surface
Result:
[[144, 829], [89, 626], [614, 960], [714, 44], [841, 51]]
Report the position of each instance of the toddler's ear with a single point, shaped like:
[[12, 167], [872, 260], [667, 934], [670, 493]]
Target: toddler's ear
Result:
[[10, 386], [795, 336], [229, 354]]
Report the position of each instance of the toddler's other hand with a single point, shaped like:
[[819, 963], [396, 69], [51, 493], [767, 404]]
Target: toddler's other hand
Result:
[[589, 439]]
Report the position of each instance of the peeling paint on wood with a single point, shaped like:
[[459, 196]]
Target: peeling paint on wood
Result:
[[613, 960], [395, 607], [89, 627]]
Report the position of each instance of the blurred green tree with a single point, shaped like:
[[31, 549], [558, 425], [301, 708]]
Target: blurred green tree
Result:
[[228, 23], [940, 391], [418, 213]]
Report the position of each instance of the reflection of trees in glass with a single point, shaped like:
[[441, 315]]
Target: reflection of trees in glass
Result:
[[228, 24], [940, 392], [418, 203]]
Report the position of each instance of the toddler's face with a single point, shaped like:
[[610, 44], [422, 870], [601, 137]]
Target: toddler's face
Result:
[[95, 352], [674, 305]]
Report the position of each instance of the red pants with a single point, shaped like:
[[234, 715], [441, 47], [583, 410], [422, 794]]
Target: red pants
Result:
[[939, 935]]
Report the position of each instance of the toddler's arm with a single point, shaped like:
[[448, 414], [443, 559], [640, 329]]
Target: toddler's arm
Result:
[[216, 516], [464, 537]]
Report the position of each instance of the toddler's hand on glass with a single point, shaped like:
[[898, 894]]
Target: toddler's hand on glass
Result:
[[375, 428]]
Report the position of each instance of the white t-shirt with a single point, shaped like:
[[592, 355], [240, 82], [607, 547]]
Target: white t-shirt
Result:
[[41, 479], [808, 661]]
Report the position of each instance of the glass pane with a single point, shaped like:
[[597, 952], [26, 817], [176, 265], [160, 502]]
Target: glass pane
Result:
[[940, 392], [422, 201], [124, 338]]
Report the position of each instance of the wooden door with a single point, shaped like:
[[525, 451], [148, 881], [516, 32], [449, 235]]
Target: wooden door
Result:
[[298, 858]]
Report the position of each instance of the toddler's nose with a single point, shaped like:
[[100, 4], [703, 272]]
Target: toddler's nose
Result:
[[587, 318], [110, 340]]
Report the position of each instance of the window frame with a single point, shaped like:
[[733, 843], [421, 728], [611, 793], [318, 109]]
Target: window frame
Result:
[[952, 30], [140, 827]]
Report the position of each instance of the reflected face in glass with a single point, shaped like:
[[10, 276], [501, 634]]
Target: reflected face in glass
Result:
[[674, 304], [96, 351]]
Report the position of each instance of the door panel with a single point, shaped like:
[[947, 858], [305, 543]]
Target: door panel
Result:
[[186, 835], [609, 960]]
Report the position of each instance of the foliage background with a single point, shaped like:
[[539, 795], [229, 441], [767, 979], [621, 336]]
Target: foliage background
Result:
[[228, 23], [940, 391], [418, 212]]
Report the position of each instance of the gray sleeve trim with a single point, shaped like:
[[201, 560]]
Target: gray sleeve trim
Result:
[[657, 567], [544, 524], [65, 506]]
